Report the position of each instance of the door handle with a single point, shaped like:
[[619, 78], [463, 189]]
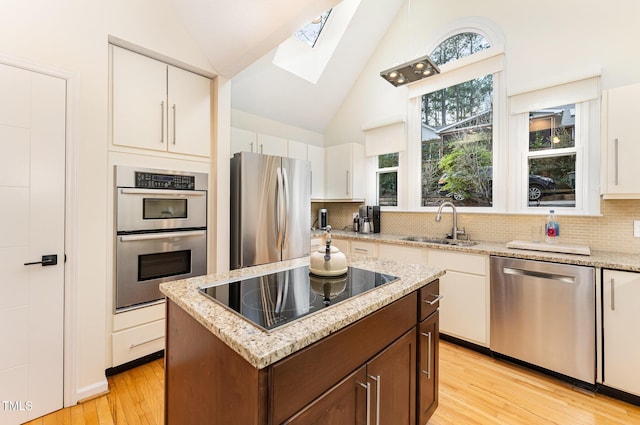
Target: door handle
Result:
[[47, 260], [435, 299], [367, 386], [428, 371], [377, 380]]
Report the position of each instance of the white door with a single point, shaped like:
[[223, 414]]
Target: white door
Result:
[[32, 183]]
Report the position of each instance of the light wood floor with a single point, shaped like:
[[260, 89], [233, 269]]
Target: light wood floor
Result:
[[474, 389]]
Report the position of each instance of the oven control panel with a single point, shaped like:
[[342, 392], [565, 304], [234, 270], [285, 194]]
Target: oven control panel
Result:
[[164, 181]]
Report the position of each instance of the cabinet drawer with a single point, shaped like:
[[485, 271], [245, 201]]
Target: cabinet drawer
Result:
[[139, 316], [364, 248], [133, 343], [466, 263], [429, 299], [329, 360]]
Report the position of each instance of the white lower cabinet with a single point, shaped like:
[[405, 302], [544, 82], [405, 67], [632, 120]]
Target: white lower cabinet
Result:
[[369, 249], [403, 254], [342, 244], [137, 333], [621, 330], [464, 308]]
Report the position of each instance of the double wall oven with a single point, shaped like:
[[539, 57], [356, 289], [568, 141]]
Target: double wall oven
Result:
[[161, 231]]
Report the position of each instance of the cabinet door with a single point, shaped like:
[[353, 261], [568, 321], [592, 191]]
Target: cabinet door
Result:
[[392, 378], [344, 165], [344, 404], [189, 103], [315, 155], [271, 145], [463, 306], [338, 169], [342, 244], [623, 141], [297, 150], [243, 140], [621, 334], [465, 294], [139, 101], [428, 368]]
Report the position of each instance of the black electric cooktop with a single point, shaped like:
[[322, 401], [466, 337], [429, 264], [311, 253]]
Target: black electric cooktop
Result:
[[271, 300]]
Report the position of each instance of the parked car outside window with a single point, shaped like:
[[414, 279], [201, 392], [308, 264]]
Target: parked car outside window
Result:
[[539, 186]]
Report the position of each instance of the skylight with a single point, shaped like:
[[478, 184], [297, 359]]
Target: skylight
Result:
[[309, 33]]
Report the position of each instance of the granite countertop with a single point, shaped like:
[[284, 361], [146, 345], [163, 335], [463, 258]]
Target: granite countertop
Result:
[[602, 259], [262, 348]]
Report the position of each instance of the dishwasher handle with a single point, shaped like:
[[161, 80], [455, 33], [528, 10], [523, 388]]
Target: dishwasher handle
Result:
[[539, 274]]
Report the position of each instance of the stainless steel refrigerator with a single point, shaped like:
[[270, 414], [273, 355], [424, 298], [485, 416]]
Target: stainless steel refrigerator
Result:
[[270, 209]]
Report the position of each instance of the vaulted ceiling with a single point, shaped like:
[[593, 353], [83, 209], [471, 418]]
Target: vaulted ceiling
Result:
[[240, 39]]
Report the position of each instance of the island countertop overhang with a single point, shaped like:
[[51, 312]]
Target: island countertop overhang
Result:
[[262, 348]]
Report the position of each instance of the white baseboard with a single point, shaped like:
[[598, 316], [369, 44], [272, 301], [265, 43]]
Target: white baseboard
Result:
[[93, 390]]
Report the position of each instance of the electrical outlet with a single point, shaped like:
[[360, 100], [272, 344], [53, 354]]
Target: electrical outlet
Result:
[[636, 228]]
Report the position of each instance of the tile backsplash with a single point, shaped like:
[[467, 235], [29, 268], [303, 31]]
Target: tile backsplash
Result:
[[612, 231]]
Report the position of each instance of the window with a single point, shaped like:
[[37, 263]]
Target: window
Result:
[[387, 180], [551, 157], [459, 46], [457, 132], [309, 33], [554, 149]]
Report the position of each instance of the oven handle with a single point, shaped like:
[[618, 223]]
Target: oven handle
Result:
[[163, 235], [133, 191]]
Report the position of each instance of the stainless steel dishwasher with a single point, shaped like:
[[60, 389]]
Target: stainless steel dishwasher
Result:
[[544, 314]]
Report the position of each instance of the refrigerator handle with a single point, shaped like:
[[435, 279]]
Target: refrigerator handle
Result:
[[279, 194], [285, 215]]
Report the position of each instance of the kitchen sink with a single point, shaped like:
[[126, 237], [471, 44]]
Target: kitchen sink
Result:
[[439, 241]]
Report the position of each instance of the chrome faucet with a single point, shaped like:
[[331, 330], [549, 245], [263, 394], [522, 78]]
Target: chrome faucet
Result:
[[454, 232]]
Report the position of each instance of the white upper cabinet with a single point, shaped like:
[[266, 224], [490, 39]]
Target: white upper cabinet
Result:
[[189, 104], [344, 165], [297, 150], [250, 141], [159, 107], [315, 155], [622, 143], [272, 145], [243, 140]]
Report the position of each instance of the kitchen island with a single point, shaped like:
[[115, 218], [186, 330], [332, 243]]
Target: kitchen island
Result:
[[369, 357]]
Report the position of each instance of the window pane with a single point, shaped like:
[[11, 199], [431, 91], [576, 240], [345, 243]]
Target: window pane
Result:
[[458, 46], [457, 144], [310, 32], [552, 181], [388, 189], [552, 128], [388, 160]]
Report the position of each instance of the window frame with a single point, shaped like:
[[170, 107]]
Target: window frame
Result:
[[488, 61], [401, 174], [387, 170], [586, 149]]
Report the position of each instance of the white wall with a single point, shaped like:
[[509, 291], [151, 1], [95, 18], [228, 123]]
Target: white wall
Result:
[[547, 42], [71, 36]]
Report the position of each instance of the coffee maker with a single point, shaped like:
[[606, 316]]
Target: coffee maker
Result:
[[369, 214]]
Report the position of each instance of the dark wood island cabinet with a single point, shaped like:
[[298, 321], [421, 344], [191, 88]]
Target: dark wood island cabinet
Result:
[[380, 369]]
